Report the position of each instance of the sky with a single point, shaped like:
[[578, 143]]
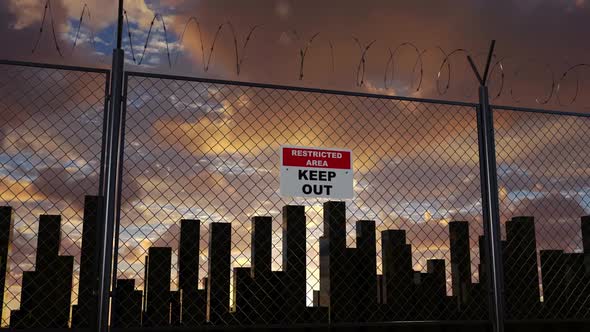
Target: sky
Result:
[[538, 40], [197, 150]]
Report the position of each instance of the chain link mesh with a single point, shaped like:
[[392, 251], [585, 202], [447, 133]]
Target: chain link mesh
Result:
[[202, 159], [206, 239], [544, 188], [50, 138]]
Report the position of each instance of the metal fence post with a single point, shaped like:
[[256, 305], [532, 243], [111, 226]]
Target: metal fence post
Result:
[[490, 207], [490, 200], [112, 182]]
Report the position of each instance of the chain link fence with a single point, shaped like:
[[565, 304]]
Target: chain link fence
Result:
[[51, 132], [205, 238], [544, 190], [201, 160]]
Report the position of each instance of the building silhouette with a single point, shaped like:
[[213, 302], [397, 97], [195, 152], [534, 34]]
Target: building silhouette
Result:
[[262, 286], [521, 276], [5, 240], [46, 292], [84, 313], [157, 293], [586, 243], [350, 289], [335, 287], [398, 275], [193, 307], [460, 262], [127, 310], [218, 285]]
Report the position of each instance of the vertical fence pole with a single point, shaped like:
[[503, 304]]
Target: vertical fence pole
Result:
[[104, 143], [490, 200], [113, 167], [490, 207]]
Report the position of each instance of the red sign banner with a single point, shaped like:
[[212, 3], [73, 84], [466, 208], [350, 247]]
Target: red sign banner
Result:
[[318, 158]]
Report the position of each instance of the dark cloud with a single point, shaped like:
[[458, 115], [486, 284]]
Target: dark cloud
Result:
[[557, 220], [274, 50], [19, 32], [60, 185], [66, 105]]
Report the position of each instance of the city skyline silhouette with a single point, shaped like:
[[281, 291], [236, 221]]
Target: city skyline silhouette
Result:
[[350, 288]]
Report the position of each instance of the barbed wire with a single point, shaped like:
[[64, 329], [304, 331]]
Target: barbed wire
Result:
[[129, 36], [303, 51], [331, 54], [181, 40], [571, 69], [361, 67], [544, 67], [86, 10], [161, 19], [85, 13], [47, 8], [241, 56], [443, 78], [391, 60]]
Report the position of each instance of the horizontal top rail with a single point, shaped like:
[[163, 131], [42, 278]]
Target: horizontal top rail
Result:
[[54, 66], [536, 110], [297, 88]]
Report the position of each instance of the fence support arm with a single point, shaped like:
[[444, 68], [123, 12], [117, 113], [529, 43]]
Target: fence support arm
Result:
[[490, 199]]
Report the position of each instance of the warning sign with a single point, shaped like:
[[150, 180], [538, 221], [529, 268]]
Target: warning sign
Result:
[[316, 172]]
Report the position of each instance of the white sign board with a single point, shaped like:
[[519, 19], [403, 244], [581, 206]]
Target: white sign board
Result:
[[316, 172]]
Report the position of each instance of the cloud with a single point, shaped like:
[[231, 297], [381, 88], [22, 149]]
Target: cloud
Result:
[[283, 9], [60, 185], [557, 220], [68, 186], [98, 14], [20, 33], [29, 12]]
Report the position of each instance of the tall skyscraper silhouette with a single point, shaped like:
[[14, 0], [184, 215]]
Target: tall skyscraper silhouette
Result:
[[520, 268], [219, 273], [478, 306], [431, 296], [294, 262], [397, 275], [585, 293], [157, 290], [175, 309], [565, 293], [127, 310], [576, 285], [460, 262], [380, 289], [5, 240], [552, 262], [585, 223], [365, 274], [265, 304], [244, 296], [348, 276], [334, 287], [46, 292], [84, 313], [261, 251], [193, 299]]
